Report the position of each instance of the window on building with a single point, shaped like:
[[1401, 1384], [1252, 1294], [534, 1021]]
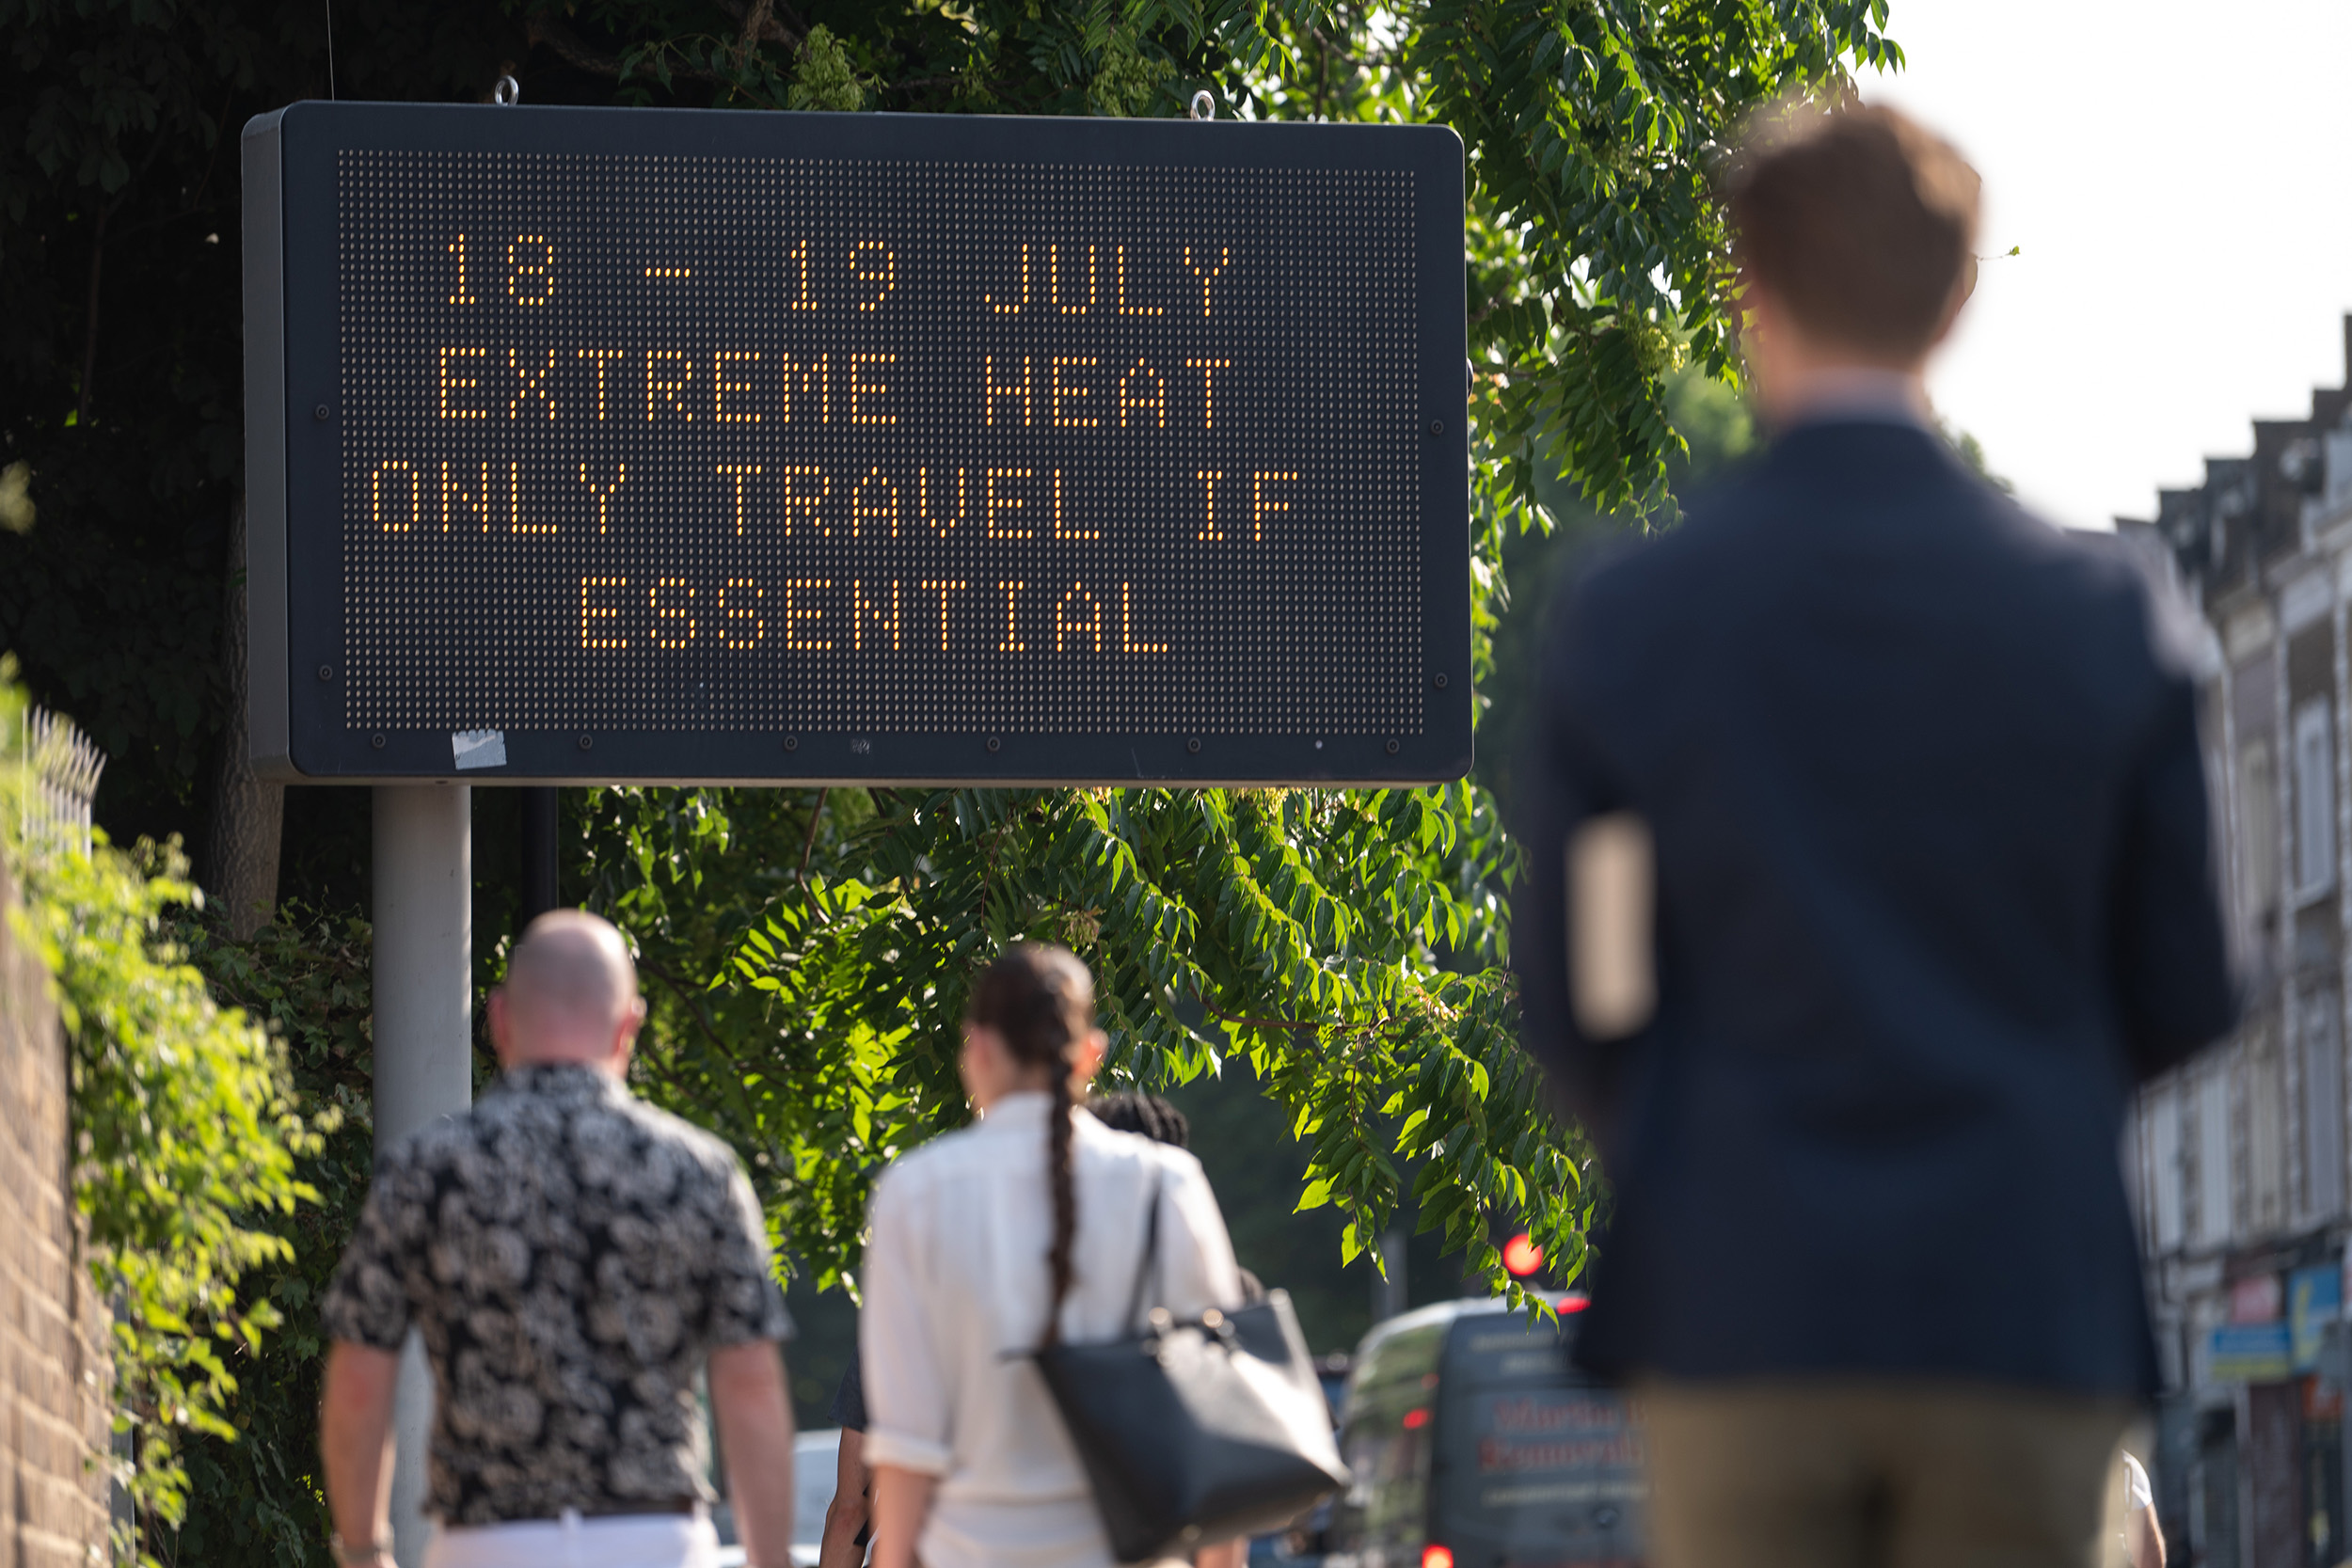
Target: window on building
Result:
[[2213, 1208], [2258, 832], [2315, 799], [2323, 1106], [2164, 1160]]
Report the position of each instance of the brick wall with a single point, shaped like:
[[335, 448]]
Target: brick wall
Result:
[[54, 1380]]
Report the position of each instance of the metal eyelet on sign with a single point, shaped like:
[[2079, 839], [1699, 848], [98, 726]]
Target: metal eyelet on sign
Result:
[[508, 93], [1204, 105]]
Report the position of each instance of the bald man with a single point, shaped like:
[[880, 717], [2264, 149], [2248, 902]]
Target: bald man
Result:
[[571, 1258]]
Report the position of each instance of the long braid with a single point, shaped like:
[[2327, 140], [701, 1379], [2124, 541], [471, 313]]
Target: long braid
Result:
[[1057, 1257], [1041, 1000]]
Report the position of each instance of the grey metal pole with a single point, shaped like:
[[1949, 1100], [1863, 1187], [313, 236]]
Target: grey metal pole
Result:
[[423, 986]]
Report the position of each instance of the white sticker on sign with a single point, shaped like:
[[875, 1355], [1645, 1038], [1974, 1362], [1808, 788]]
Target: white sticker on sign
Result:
[[478, 748]]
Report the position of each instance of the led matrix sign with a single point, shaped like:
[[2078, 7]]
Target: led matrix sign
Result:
[[699, 446]]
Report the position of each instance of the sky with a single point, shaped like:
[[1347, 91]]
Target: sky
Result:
[[2170, 173]]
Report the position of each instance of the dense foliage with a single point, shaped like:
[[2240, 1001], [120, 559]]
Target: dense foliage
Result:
[[186, 1138]]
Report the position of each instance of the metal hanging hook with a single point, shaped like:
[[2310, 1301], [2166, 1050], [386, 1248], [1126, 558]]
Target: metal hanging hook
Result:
[[1203, 105], [508, 93]]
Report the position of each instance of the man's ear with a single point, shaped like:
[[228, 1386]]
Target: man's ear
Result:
[[502, 1026], [1086, 1057], [624, 1032]]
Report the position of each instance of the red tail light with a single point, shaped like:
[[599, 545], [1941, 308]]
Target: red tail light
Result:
[[1434, 1556], [1575, 1301], [1415, 1420]]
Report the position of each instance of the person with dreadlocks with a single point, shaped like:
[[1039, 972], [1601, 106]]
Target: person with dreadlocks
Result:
[[1026, 1227]]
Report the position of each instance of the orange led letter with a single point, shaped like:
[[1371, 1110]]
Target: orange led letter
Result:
[[1012, 643], [1070, 626], [660, 390], [1206, 273], [529, 282], [923, 502], [1261, 505], [871, 262], [1075, 392], [720, 387], [992, 503], [599, 356], [1153, 397], [794, 614], [991, 389], [670, 613], [1210, 533], [811, 383], [1016, 307], [739, 472], [1125, 309], [860, 387], [874, 500], [1053, 282], [1127, 642], [804, 300], [942, 588], [534, 384], [464, 294], [375, 495], [1061, 531], [1208, 369], [604, 496], [730, 633], [803, 500], [460, 384], [590, 613], [861, 612]]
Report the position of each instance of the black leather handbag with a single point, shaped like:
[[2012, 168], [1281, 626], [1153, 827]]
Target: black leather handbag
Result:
[[1196, 1431]]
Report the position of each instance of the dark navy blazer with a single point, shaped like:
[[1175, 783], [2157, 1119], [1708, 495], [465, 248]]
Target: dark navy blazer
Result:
[[1934, 893]]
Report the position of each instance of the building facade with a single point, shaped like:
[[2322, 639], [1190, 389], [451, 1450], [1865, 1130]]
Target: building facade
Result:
[[2240, 1159]]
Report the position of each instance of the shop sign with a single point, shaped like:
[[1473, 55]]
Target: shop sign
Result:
[[2250, 1352], [2314, 1300]]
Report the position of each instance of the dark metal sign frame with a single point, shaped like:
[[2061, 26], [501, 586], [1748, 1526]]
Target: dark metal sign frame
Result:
[[297, 492]]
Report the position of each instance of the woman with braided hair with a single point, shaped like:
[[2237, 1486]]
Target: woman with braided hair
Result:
[[1027, 1226]]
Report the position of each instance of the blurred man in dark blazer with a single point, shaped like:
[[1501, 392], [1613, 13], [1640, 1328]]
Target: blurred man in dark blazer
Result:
[[1869, 871]]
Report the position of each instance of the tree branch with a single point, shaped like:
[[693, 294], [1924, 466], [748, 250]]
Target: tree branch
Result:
[[760, 26], [570, 47], [817, 814]]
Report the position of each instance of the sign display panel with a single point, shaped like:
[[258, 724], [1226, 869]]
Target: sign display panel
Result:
[[698, 446]]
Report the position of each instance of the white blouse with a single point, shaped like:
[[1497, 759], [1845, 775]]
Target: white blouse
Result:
[[956, 1286]]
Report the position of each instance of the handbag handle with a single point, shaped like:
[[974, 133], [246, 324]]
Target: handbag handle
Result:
[[1148, 1264]]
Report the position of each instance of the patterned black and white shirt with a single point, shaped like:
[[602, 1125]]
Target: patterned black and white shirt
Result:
[[569, 1257]]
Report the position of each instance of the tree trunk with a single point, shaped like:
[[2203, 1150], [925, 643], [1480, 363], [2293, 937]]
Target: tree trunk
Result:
[[249, 813]]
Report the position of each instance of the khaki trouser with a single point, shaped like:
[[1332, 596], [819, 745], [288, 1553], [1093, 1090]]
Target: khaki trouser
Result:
[[1796, 1475]]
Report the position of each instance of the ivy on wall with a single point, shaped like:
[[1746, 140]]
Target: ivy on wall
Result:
[[185, 1132]]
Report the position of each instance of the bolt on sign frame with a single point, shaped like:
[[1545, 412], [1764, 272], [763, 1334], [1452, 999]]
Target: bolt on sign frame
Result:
[[630, 445]]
